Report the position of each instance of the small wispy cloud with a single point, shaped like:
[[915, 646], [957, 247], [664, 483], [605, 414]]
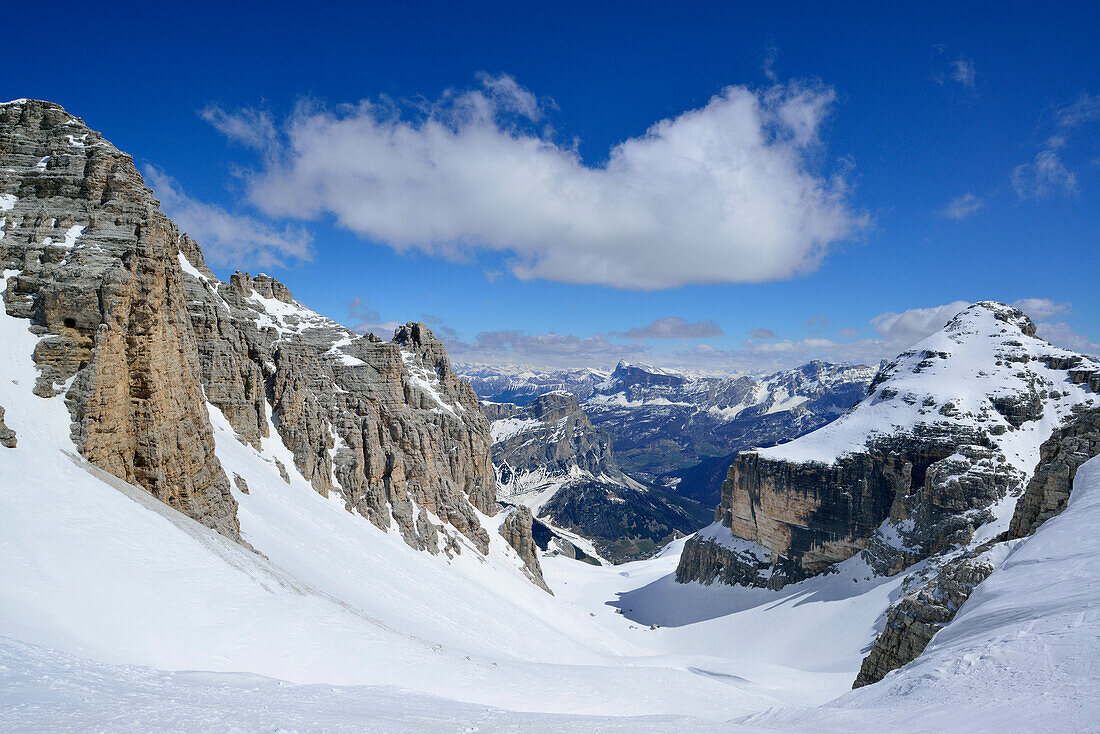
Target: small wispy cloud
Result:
[[1045, 176], [962, 206], [1041, 309], [964, 72], [1048, 175], [228, 239], [251, 128]]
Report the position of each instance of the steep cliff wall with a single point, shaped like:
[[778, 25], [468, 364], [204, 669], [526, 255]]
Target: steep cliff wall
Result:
[[99, 280], [386, 425]]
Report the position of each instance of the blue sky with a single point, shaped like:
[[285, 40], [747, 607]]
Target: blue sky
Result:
[[821, 181]]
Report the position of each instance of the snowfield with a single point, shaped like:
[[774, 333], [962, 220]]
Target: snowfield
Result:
[[118, 613]]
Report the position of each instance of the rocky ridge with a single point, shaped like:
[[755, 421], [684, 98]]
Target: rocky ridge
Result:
[[141, 340]]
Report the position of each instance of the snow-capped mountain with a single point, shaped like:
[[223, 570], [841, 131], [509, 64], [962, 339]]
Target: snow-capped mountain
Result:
[[550, 458], [931, 464], [521, 385]]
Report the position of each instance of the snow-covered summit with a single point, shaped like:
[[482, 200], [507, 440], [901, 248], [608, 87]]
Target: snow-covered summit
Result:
[[985, 370]]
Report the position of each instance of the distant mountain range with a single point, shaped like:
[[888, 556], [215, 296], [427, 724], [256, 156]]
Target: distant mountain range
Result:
[[550, 458], [682, 430]]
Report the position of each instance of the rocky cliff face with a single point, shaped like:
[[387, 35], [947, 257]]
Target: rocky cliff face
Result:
[[1059, 458], [140, 336], [550, 457], [98, 279], [938, 596], [941, 447], [387, 425], [911, 624]]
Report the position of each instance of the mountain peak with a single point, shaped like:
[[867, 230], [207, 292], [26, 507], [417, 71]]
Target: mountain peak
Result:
[[1002, 312]]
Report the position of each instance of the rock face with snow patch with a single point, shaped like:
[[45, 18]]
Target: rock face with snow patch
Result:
[[98, 279], [949, 433], [911, 624], [135, 329], [1060, 457], [550, 457], [388, 426], [8, 438]]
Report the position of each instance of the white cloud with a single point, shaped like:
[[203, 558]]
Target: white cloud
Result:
[[1062, 334], [1084, 109], [962, 206], [251, 128], [673, 327], [1045, 176], [723, 193], [964, 72], [908, 327], [227, 239], [1041, 309]]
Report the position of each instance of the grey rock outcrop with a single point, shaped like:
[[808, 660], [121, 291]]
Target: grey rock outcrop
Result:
[[7, 435], [517, 532], [1059, 458], [100, 282], [911, 624], [386, 425]]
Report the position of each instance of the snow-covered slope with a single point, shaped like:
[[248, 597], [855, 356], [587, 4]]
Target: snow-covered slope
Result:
[[98, 568], [1020, 657]]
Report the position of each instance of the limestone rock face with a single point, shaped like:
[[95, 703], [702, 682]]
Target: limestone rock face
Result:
[[99, 280], [948, 430], [517, 531], [386, 425], [1059, 458], [140, 336]]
